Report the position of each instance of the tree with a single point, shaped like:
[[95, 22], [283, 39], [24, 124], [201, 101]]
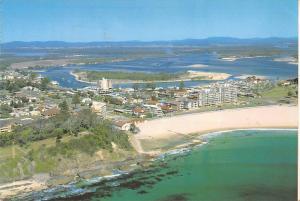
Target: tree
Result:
[[91, 94], [32, 76], [290, 93], [5, 110], [181, 85], [44, 83], [30, 108], [64, 108], [133, 128], [151, 85], [135, 86], [76, 99]]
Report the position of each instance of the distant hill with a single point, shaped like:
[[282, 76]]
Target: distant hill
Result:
[[186, 42]]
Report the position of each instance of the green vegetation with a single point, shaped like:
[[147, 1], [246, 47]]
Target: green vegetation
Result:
[[96, 75], [151, 85], [281, 94], [47, 144], [91, 60], [4, 66], [44, 83], [199, 78], [101, 137], [16, 84], [4, 111], [76, 99], [276, 94], [181, 85], [64, 107], [60, 125], [50, 156]]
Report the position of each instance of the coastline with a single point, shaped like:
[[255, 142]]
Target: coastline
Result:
[[76, 76], [275, 116], [74, 186], [195, 138]]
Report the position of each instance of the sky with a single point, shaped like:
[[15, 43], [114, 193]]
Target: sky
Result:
[[145, 20]]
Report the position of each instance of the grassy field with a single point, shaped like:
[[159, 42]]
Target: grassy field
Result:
[[275, 95]]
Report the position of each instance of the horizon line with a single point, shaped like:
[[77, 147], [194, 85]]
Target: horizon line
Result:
[[149, 41]]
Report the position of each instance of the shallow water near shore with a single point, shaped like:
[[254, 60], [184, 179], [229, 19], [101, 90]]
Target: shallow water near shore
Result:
[[235, 166]]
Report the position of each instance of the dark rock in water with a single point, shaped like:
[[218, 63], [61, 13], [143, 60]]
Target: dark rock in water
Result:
[[142, 192], [150, 182], [144, 178], [176, 197], [84, 197], [104, 193], [132, 184], [172, 172]]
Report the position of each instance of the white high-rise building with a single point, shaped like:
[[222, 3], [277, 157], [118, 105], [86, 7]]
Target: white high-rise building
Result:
[[217, 94], [104, 84]]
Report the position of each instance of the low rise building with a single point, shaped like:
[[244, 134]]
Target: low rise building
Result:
[[51, 112], [138, 111], [5, 126], [122, 125], [98, 107]]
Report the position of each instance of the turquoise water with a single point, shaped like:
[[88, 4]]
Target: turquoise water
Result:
[[235, 166]]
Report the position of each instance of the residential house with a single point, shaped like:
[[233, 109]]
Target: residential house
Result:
[[50, 112], [98, 107], [122, 125], [5, 126], [138, 111]]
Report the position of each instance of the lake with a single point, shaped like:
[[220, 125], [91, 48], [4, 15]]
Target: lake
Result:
[[263, 66]]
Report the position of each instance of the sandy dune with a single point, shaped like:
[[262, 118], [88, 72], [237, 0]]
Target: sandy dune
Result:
[[259, 117]]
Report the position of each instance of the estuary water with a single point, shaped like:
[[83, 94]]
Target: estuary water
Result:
[[262, 66], [248, 165]]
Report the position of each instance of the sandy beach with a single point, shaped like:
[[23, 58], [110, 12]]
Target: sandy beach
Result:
[[208, 75], [77, 76], [284, 116], [197, 66]]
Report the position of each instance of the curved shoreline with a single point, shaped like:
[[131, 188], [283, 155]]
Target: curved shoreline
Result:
[[72, 186], [196, 137], [188, 146], [217, 133], [79, 80], [276, 116]]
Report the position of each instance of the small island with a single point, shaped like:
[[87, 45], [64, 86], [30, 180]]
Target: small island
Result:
[[143, 77]]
